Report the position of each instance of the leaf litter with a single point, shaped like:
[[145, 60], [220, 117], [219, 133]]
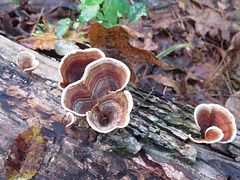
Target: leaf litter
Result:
[[26, 156], [208, 26]]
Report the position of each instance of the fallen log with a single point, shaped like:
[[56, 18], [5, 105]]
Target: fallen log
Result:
[[154, 145]]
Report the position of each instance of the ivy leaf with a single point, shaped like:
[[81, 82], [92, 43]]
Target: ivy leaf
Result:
[[100, 16], [88, 12], [15, 2], [136, 11], [26, 154], [93, 2], [121, 5], [63, 26], [110, 13]]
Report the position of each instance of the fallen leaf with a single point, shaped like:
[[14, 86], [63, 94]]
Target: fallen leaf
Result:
[[233, 105], [26, 154], [233, 52], [114, 42], [208, 20], [46, 40], [179, 86], [203, 71]]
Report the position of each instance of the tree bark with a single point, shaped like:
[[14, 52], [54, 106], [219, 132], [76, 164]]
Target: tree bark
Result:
[[154, 145]]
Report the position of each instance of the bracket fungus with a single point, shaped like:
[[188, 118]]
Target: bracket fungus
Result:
[[216, 122], [73, 64], [111, 112], [26, 61], [100, 77]]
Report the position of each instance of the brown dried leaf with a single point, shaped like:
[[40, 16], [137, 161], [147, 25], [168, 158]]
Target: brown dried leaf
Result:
[[208, 20], [114, 42], [178, 86], [26, 154], [46, 41]]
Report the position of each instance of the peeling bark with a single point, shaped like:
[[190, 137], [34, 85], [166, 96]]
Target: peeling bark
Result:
[[154, 145]]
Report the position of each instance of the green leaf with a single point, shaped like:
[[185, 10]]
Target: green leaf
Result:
[[121, 5], [120, 15], [61, 30], [15, 2], [93, 2], [51, 25], [75, 25], [100, 16], [136, 11], [41, 25], [81, 6], [38, 32], [83, 1], [63, 26], [26, 154], [65, 21], [106, 24], [110, 13], [173, 48], [88, 12]]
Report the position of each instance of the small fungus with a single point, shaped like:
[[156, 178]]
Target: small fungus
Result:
[[100, 77], [73, 64], [216, 122], [71, 118], [111, 112], [26, 61]]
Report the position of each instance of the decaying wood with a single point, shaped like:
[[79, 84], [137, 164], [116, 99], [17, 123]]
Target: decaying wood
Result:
[[153, 146]]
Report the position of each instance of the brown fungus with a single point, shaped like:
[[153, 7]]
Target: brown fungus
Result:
[[73, 64], [100, 77], [111, 112], [216, 122], [26, 61]]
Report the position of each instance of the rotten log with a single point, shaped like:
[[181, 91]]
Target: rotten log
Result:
[[154, 145]]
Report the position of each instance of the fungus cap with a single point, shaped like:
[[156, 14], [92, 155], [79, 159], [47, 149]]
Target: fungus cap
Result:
[[73, 64], [26, 61], [214, 120], [111, 112]]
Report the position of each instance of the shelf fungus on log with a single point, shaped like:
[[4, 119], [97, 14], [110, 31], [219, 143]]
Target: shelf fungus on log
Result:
[[111, 112], [216, 122], [73, 64], [26, 61], [100, 77]]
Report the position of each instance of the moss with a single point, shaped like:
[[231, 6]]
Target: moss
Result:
[[158, 121], [123, 150]]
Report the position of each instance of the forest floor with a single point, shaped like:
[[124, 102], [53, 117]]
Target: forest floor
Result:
[[206, 70]]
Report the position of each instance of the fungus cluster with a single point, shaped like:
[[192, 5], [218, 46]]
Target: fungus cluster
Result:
[[92, 85], [216, 123], [73, 64]]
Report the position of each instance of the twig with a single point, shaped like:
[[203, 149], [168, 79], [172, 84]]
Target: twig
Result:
[[55, 7], [227, 83], [144, 100], [213, 74], [164, 91], [34, 27], [228, 78]]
